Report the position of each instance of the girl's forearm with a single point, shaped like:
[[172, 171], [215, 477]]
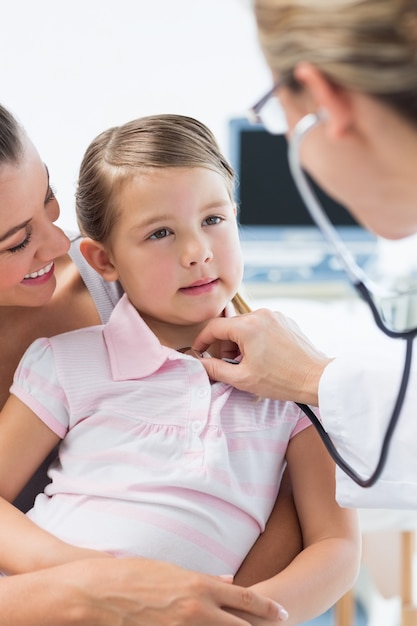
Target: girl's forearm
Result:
[[315, 580]]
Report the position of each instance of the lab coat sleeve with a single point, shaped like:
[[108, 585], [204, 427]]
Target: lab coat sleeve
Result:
[[356, 396]]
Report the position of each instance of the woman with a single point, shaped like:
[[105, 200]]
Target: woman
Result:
[[44, 291], [352, 64]]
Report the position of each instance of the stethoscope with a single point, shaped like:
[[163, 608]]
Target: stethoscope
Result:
[[387, 307]]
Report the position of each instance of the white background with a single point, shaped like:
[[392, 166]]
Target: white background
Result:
[[69, 70]]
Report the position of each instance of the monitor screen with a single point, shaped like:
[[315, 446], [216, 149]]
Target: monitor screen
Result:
[[265, 192]]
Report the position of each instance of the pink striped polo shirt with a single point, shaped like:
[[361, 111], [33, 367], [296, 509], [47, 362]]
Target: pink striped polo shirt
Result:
[[155, 460]]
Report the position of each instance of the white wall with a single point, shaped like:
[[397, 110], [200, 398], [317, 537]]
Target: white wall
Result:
[[69, 70]]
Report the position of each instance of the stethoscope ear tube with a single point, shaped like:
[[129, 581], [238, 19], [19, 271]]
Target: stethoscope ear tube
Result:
[[312, 203]]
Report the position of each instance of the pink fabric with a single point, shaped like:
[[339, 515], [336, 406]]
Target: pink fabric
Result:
[[156, 460]]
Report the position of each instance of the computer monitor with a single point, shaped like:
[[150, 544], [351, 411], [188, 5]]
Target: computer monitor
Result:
[[266, 194]]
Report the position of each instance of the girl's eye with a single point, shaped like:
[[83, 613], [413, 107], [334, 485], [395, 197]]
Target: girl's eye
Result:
[[21, 245], [213, 219], [160, 234]]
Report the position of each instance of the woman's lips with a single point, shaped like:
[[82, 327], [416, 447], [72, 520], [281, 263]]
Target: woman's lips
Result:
[[41, 275]]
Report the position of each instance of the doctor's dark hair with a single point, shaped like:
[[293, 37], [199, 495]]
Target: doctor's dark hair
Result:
[[11, 134], [366, 45], [147, 143]]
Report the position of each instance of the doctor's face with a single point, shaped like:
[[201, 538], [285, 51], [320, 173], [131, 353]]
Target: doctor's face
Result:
[[363, 156]]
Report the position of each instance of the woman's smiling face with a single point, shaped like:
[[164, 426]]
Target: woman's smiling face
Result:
[[29, 239]]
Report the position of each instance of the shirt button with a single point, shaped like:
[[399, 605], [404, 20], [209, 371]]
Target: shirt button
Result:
[[202, 392], [196, 426]]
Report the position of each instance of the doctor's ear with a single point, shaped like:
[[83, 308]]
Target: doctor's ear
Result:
[[99, 258], [331, 101]]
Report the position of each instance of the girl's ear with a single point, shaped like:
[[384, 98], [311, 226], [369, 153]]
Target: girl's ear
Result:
[[331, 100], [99, 258]]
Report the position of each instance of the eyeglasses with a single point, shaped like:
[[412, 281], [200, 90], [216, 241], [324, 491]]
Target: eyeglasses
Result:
[[269, 112]]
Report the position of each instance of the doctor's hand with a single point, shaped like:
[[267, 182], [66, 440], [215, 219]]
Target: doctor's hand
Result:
[[277, 359]]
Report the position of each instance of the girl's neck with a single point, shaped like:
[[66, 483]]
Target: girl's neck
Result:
[[177, 337]]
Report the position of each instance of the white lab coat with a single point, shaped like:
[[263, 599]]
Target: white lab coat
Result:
[[356, 397]]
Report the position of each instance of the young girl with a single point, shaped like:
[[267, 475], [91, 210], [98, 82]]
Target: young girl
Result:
[[155, 459], [45, 291]]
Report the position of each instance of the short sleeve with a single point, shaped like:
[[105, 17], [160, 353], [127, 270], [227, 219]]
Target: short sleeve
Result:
[[36, 384], [302, 423]]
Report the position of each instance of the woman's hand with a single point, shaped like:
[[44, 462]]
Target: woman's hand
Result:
[[277, 362], [129, 592]]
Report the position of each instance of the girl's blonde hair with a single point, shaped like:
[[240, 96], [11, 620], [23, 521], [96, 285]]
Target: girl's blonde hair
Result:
[[156, 141], [366, 45]]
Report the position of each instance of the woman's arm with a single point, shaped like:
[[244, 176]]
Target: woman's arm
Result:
[[28, 547], [278, 545], [329, 563], [129, 592]]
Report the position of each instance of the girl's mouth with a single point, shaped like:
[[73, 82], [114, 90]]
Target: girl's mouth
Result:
[[200, 287]]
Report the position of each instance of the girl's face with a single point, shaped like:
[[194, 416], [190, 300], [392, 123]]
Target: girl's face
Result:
[[29, 240], [176, 249]]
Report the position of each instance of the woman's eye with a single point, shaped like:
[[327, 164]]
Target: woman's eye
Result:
[[160, 234], [21, 245], [51, 195], [213, 219]]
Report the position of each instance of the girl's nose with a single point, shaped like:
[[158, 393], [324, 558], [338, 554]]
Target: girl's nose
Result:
[[196, 252]]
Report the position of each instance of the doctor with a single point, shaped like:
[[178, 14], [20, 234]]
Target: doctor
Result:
[[351, 66]]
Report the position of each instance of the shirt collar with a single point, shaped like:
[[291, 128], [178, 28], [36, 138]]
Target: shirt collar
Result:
[[134, 350]]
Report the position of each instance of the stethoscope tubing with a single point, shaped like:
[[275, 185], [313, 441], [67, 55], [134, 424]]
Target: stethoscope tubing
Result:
[[331, 448], [363, 287]]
